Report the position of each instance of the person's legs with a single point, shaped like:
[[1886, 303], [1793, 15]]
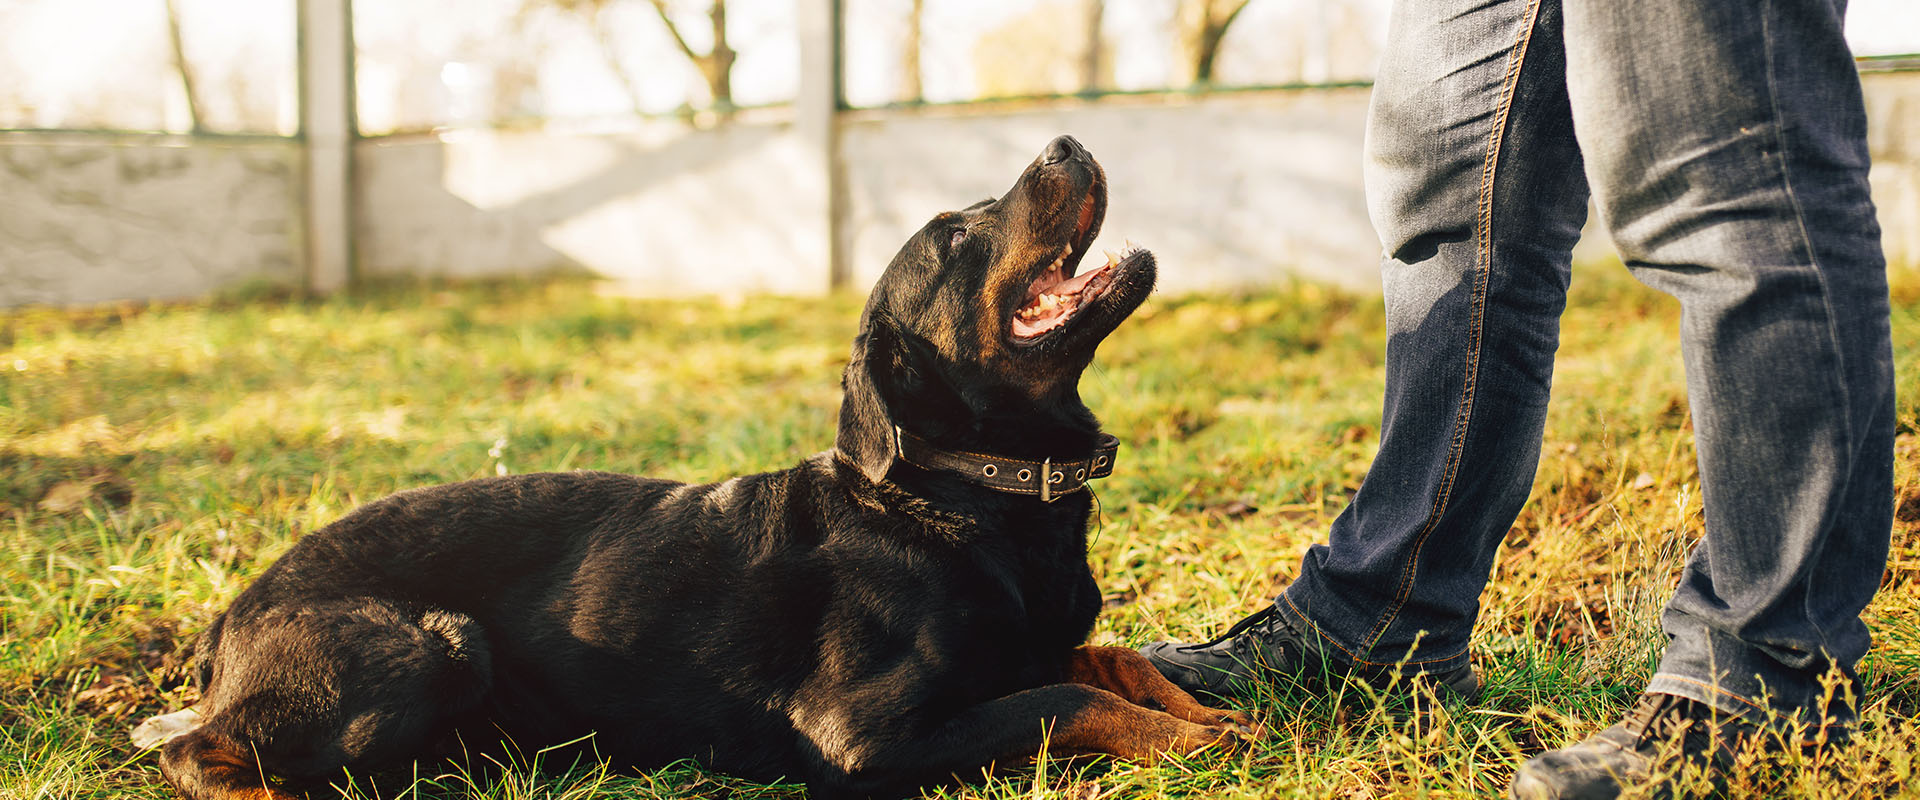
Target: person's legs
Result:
[[1475, 186], [1729, 151], [1727, 147]]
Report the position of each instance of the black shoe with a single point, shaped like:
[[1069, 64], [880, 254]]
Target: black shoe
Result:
[[1660, 729], [1267, 644]]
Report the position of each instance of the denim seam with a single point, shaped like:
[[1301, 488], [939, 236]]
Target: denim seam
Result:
[[1476, 324], [1352, 659], [1709, 687], [1826, 308]]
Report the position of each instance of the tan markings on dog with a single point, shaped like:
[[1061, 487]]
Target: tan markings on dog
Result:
[[1113, 726], [1009, 276], [219, 770], [1125, 672]]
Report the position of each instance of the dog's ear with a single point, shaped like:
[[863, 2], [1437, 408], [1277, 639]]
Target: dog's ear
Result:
[[866, 435]]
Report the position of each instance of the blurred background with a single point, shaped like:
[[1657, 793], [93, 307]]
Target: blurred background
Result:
[[161, 149]]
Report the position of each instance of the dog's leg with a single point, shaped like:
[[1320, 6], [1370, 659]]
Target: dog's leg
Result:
[[1067, 719], [1125, 672], [205, 765], [300, 693]]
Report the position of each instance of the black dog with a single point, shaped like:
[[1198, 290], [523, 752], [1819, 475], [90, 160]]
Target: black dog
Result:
[[905, 607]]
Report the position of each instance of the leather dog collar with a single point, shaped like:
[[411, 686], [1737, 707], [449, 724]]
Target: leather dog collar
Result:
[[1048, 478]]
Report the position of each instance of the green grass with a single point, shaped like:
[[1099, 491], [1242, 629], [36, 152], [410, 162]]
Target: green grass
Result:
[[154, 459]]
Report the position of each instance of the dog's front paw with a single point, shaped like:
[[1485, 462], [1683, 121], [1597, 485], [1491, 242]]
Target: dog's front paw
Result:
[[1240, 723], [1226, 737]]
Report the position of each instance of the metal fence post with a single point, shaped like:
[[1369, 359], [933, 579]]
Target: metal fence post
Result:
[[816, 119], [327, 134]]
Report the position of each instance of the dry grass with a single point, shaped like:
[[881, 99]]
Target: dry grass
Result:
[[153, 459]]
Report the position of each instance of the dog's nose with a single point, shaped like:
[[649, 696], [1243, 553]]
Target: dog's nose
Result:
[[1061, 149]]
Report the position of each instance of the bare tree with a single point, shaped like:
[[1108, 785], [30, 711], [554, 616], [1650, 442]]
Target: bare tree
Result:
[[715, 65], [188, 83], [1090, 60], [591, 13], [1203, 24], [910, 54]]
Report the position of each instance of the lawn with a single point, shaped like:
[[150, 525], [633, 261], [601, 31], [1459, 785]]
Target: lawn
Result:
[[153, 459]]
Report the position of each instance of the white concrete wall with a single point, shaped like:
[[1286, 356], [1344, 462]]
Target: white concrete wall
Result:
[[667, 210], [1893, 136], [92, 218], [1230, 190], [1275, 188]]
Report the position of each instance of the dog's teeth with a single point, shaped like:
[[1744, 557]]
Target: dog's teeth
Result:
[[1112, 259]]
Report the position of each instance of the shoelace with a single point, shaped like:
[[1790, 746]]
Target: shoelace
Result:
[[1647, 723], [1256, 619], [1658, 717]]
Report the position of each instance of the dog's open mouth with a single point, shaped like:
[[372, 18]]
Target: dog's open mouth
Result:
[[1057, 294]]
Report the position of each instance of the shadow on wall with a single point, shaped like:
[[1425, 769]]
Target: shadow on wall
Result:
[[666, 210], [1228, 191]]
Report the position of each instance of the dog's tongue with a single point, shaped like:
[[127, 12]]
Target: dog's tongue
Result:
[[1024, 329], [1074, 284], [1058, 301]]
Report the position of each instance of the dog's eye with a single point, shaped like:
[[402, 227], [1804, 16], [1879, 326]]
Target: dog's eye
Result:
[[959, 235]]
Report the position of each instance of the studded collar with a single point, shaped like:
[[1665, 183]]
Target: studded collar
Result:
[[1049, 478]]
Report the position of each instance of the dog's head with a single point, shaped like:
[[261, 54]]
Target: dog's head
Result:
[[976, 334]]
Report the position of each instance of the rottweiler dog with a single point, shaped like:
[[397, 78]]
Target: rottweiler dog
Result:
[[902, 609]]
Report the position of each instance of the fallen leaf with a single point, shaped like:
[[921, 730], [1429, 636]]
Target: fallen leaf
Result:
[[1231, 509], [66, 496], [155, 731]]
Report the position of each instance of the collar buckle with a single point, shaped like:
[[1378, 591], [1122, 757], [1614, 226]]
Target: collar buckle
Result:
[[1011, 475]]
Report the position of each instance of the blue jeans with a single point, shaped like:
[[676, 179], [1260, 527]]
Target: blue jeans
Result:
[[1725, 146]]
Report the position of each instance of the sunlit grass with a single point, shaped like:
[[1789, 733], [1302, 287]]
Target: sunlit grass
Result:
[[154, 459]]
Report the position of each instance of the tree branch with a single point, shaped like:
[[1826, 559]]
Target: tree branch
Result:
[[674, 30], [194, 116]]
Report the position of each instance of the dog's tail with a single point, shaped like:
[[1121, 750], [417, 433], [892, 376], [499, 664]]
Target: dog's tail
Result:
[[209, 765]]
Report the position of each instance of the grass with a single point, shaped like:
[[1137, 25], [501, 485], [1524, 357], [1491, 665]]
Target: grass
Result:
[[153, 459]]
